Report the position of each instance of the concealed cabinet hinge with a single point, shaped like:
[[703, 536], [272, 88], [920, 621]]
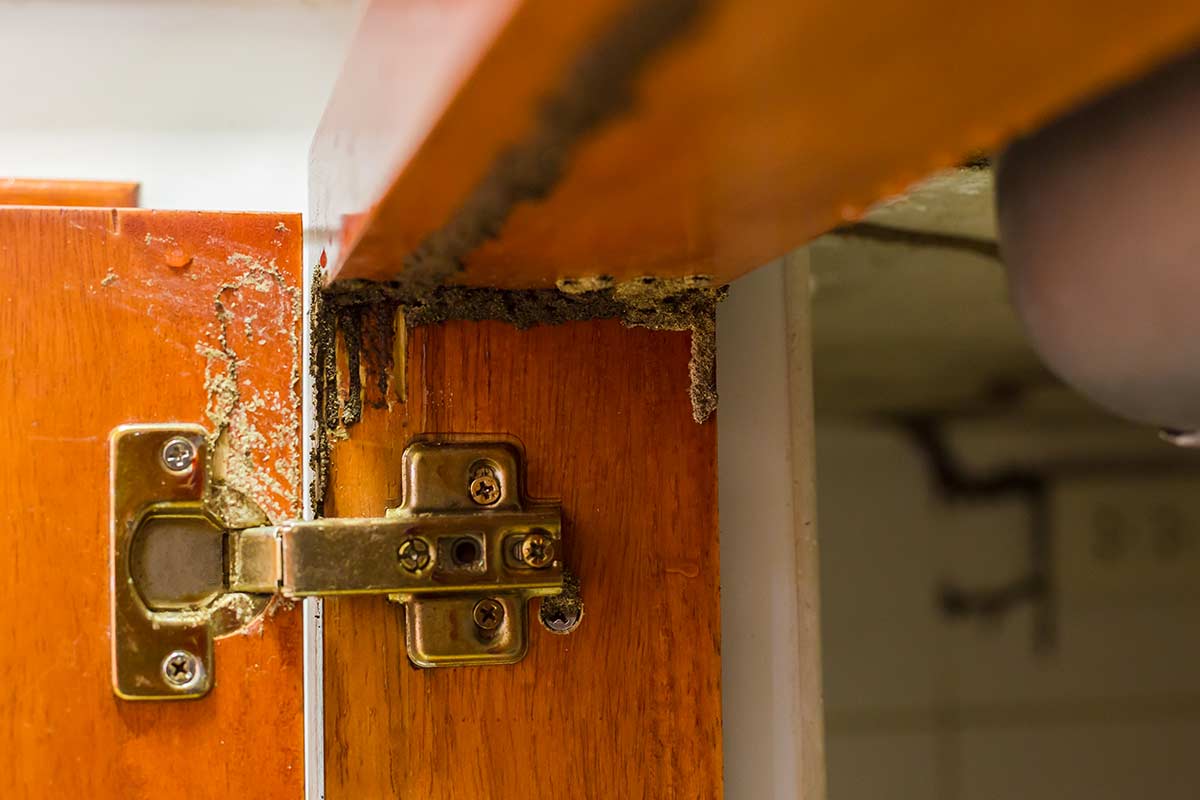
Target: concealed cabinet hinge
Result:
[[464, 553]]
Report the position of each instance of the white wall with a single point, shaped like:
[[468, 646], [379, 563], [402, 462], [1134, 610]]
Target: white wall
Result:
[[210, 105]]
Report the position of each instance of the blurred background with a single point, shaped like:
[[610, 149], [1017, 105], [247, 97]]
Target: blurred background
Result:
[[1010, 579], [210, 105]]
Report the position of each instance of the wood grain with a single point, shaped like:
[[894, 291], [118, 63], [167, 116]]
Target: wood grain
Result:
[[42, 192], [110, 317], [750, 128], [629, 704]]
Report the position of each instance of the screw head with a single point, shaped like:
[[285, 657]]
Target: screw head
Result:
[[488, 614], [180, 668], [414, 554], [537, 550], [178, 454], [560, 617], [485, 489]]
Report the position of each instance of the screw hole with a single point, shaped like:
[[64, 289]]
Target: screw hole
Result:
[[465, 552]]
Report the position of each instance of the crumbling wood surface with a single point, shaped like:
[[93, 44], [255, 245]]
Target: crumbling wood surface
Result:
[[112, 317], [629, 704], [679, 137]]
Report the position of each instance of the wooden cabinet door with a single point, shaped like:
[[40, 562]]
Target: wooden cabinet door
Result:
[[111, 317], [626, 706]]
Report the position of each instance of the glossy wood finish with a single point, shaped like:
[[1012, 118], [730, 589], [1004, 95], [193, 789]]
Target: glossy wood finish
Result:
[[755, 126], [111, 317], [40, 192], [627, 706]]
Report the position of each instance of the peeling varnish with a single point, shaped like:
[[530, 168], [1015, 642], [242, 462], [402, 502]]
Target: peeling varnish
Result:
[[254, 441], [357, 349], [597, 89], [677, 304], [253, 312]]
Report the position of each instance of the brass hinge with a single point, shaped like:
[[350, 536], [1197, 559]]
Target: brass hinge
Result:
[[464, 553]]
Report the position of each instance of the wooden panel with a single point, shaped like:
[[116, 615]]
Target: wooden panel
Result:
[[137, 316], [695, 137], [629, 704], [38, 192]]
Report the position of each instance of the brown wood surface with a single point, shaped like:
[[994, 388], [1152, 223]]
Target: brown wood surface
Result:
[[110, 317], [753, 125], [44, 192], [627, 706]]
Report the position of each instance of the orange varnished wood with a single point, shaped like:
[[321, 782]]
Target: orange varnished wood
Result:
[[111, 317], [761, 125], [42, 192], [629, 705], [425, 102]]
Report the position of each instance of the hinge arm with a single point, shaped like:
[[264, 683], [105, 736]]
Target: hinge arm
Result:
[[468, 553]]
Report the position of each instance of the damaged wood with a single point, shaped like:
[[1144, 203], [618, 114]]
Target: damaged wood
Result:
[[671, 304], [256, 315], [597, 88], [585, 76], [90, 355], [322, 368], [365, 318], [602, 413], [753, 128]]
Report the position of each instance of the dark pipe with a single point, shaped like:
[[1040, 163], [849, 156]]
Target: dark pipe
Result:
[[953, 482]]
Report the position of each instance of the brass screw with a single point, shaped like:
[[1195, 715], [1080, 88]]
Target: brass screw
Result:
[[485, 488], [537, 550], [414, 554], [488, 614], [180, 668], [178, 454]]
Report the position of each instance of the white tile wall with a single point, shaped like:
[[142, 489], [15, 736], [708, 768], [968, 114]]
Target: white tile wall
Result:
[[878, 563], [887, 766], [921, 707], [1097, 761]]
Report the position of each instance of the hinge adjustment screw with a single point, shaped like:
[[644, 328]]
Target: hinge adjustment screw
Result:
[[537, 550]]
